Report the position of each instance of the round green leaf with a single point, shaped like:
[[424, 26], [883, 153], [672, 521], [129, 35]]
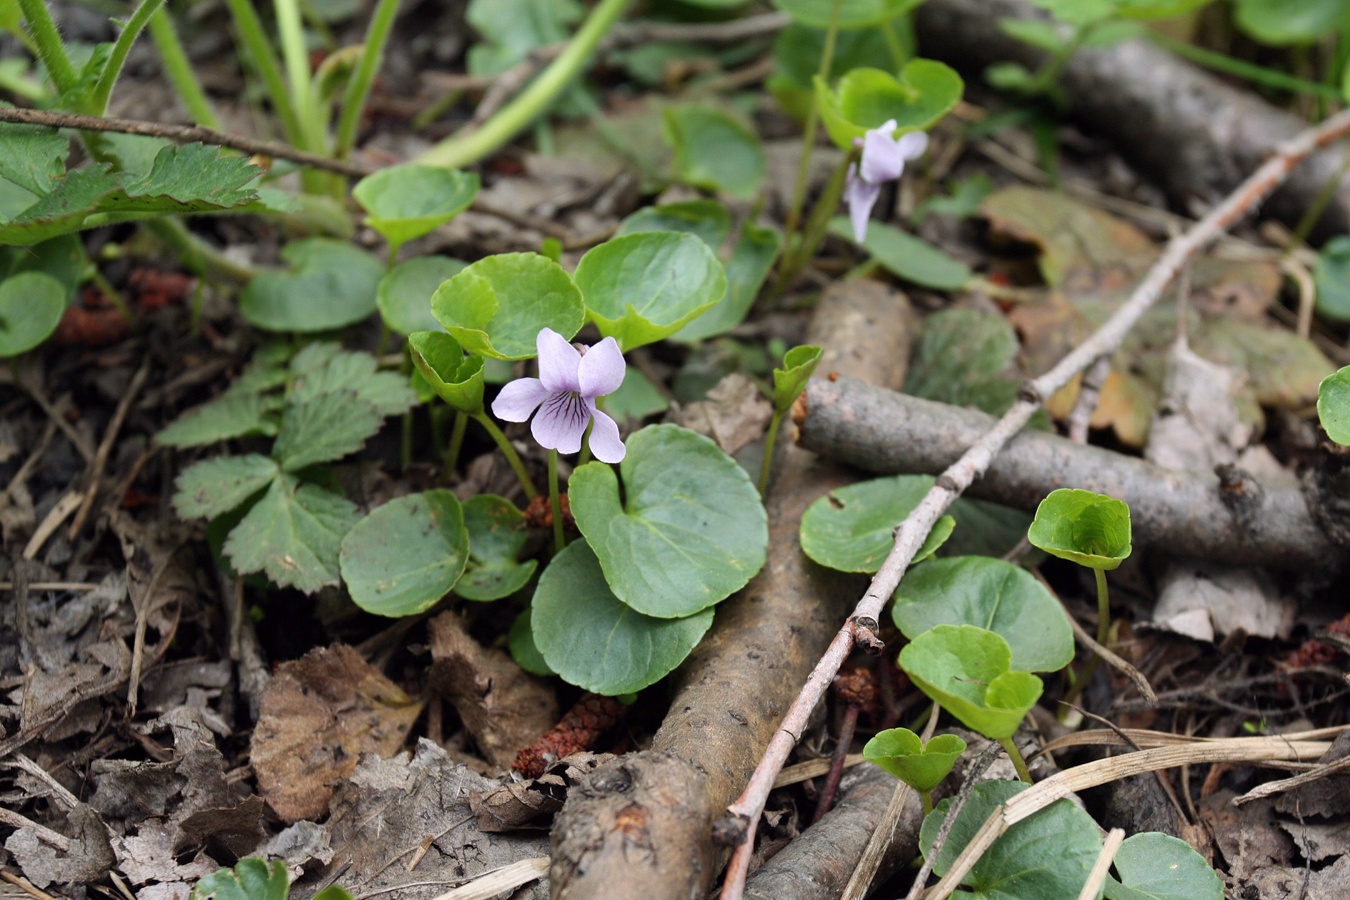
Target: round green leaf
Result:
[[1048, 854], [407, 554], [597, 642], [1155, 866], [1090, 529], [851, 14], [902, 753], [408, 201], [993, 594], [31, 306], [690, 532], [751, 259], [405, 292], [496, 535], [707, 219], [967, 671], [907, 257], [497, 306], [329, 284], [457, 379], [714, 151], [799, 364], [1333, 405], [924, 92], [644, 287], [1331, 275], [520, 641], [853, 529]]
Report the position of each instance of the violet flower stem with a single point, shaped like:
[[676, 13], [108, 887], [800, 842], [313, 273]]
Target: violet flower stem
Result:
[[555, 501], [1018, 762], [512, 456], [456, 441], [1103, 609]]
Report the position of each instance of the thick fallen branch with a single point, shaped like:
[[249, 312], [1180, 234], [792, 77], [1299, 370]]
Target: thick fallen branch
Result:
[[643, 823], [1181, 513], [744, 814], [1194, 134]]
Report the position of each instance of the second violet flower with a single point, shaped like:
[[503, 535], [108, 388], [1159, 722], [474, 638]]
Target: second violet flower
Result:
[[883, 159], [569, 382]]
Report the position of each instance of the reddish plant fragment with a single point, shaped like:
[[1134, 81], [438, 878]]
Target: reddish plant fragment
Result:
[[579, 729], [1319, 653], [539, 513]]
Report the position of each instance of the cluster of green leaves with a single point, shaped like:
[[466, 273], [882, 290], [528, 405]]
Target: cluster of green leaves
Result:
[[255, 879], [282, 516]]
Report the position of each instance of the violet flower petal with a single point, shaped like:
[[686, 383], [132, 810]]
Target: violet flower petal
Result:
[[912, 145], [518, 399], [881, 158], [561, 422], [605, 443], [558, 361], [861, 197], [602, 369]]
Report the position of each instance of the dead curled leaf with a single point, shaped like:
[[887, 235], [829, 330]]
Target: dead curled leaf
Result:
[[318, 717], [532, 803]]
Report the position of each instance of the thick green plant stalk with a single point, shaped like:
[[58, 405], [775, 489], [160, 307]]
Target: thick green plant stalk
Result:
[[457, 151], [304, 97], [50, 48], [1018, 762], [254, 38], [98, 101], [178, 69], [358, 86]]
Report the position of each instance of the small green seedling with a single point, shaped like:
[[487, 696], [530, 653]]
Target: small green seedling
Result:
[[968, 672], [921, 766], [1333, 406], [254, 879], [799, 364], [1090, 529]]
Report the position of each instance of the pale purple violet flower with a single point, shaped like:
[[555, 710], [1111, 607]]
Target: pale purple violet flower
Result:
[[883, 159], [565, 391]]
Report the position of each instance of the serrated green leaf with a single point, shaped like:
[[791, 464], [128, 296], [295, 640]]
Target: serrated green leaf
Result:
[[644, 287], [408, 201], [31, 306], [907, 257], [923, 92], [993, 594], [1085, 527], [850, 13], [403, 557], [691, 529], [250, 879], [904, 754], [233, 414], [714, 150], [496, 536], [799, 364], [354, 372], [1154, 866], [967, 671], [457, 379], [294, 534], [329, 284], [215, 486], [497, 306], [597, 642], [1048, 854], [324, 427], [405, 292], [1333, 405], [33, 156]]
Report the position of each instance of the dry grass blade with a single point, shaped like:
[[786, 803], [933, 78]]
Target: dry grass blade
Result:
[[1097, 877], [500, 881]]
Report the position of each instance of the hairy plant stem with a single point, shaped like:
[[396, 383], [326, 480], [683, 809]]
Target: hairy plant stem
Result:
[[358, 86], [555, 502], [1018, 762], [50, 48], [98, 100], [460, 150], [512, 456], [178, 69]]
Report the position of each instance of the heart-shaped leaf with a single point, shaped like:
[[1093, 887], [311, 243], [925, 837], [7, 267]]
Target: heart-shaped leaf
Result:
[[408, 201], [714, 150], [329, 284], [706, 219], [1333, 405], [799, 364], [967, 671], [520, 641], [924, 92], [850, 13], [457, 379], [751, 259], [597, 642], [405, 292], [31, 306], [1090, 529], [1156, 866], [496, 536], [904, 754], [907, 257], [993, 594], [497, 306], [644, 287], [406, 555], [1048, 854], [691, 529]]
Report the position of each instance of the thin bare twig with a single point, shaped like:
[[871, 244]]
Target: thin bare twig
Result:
[[972, 464], [100, 461]]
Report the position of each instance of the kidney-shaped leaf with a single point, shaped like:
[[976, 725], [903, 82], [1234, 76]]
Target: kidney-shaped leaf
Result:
[[31, 306], [707, 219], [691, 529], [788, 382], [496, 535], [1046, 855], [644, 287], [1333, 405], [405, 202], [407, 554], [457, 379], [751, 259], [851, 13], [1090, 529], [497, 306], [329, 284], [924, 92], [993, 594], [967, 671], [1155, 866], [405, 292], [902, 753], [597, 642], [713, 150]]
